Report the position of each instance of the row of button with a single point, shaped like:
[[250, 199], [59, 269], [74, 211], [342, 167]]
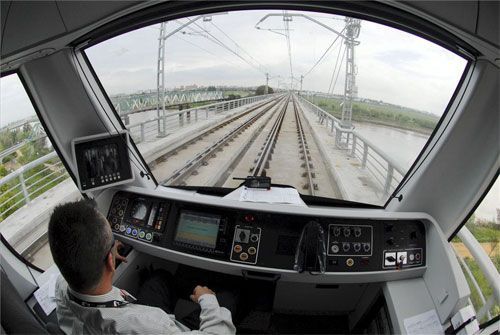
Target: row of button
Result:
[[134, 232], [110, 177], [346, 246], [238, 248], [356, 231]]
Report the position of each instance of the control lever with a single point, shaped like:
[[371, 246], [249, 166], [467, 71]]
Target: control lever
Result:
[[311, 249], [400, 262]]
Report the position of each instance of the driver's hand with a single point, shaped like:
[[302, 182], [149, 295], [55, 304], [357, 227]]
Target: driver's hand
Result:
[[119, 257], [199, 291]]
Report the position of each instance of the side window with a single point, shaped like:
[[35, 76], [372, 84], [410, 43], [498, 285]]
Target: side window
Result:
[[484, 225], [32, 178]]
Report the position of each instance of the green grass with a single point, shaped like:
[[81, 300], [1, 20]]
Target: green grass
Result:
[[483, 231], [390, 115]]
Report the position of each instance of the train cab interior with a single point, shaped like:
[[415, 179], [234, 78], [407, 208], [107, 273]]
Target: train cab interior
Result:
[[301, 247]]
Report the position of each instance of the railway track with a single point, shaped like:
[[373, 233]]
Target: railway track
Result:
[[262, 162], [275, 140], [214, 144], [306, 155], [289, 154]]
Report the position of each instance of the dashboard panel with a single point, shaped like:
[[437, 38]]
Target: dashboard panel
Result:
[[263, 239]]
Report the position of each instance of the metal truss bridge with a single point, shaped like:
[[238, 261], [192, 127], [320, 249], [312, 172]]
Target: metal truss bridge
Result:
[[139, 102]]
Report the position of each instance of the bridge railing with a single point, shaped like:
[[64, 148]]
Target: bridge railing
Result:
[[29, 181], [384, 169], [487, 270], [163, 125]]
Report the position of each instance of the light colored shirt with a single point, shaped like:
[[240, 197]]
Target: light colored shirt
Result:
[[133, 318]]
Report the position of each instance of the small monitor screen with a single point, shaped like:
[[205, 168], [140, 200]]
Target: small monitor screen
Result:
[[102, 160], [198, 229]]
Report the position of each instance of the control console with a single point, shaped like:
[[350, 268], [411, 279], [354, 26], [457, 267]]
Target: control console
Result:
[[266, 239], [141, 218]]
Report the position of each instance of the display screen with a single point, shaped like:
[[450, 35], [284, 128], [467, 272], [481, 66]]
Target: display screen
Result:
[[139, 210], [198, 229], [102, 160]]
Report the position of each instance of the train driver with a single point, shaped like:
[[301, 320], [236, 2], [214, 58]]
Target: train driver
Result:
[[84, 249]]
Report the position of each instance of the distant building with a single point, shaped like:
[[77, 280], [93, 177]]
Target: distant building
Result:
[[498, 216]]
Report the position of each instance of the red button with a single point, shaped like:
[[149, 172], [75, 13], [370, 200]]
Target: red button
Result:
[[249, 218]]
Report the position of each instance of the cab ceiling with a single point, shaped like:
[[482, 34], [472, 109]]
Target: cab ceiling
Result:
[[29, 26], [26, 24]]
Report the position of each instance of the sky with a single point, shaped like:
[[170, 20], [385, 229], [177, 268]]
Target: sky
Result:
[[391, 65]]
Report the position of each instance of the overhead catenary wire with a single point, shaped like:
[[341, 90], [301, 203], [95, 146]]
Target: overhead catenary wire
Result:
[[324, 54], [206, 34], [203, 49], [238, 45], [336, 72], [214, 39]]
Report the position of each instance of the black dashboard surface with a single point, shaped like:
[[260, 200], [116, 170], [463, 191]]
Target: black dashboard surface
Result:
[[266, 239]]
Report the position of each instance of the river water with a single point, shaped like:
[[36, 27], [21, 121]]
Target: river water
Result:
[[404, 146]]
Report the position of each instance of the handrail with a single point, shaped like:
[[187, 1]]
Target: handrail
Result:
[[343, 141], [483, 260], [27, 167], [185, 116], [23, 191], [473, 279]]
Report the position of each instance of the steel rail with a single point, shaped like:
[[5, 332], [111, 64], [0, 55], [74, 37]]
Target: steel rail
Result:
[[265, 155], [213, 129], [180, 174], [305, 149]]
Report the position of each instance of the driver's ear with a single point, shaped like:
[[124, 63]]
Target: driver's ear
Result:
[[110, 262]]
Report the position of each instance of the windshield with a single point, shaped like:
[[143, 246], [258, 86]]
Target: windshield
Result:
[[334, 106]]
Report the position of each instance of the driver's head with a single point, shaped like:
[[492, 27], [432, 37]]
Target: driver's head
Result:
[[80, 240]]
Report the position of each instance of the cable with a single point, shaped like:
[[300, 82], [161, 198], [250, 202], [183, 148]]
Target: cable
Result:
[[239, 46], [338, 71], [222, 44], [324, 54], [334, 70], [201, 48], [205, 36]]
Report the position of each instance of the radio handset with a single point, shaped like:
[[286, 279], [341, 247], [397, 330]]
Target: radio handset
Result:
[[311, 249]]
